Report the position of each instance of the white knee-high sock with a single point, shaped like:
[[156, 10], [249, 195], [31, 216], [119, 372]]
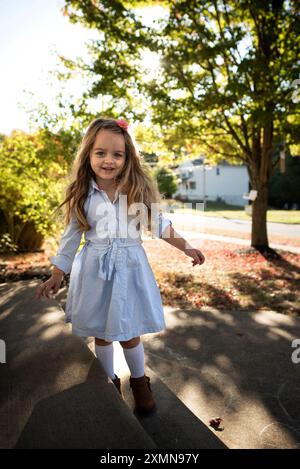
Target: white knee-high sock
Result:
[[135, 359], [105, 354]]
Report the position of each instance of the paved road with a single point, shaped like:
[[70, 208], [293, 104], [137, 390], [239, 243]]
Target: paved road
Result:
[[190, 222]]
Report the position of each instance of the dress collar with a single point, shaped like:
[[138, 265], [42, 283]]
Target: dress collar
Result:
[[93, 186]]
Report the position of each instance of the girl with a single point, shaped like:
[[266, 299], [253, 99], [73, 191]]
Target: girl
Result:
[[112, 293]]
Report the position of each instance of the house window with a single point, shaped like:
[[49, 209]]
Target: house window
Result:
[[218, 171], [192, 185]]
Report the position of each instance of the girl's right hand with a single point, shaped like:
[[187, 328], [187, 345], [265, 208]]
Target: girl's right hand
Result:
[[51, 286]]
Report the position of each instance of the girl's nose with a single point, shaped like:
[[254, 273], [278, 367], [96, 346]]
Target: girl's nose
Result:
[[108, 158]]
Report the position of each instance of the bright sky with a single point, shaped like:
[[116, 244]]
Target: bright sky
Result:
[[32, 33]]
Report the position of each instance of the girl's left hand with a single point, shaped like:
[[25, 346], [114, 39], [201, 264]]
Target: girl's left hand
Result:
[[196, 254]]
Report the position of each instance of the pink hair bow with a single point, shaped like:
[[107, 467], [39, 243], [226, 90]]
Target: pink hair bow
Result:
[[122, 123]]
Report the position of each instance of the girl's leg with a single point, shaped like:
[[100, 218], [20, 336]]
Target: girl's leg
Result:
[[105, 354], [140, 383], [133, 350]]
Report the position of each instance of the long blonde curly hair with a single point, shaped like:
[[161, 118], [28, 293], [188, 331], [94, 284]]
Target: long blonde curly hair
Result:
[[135, 179]]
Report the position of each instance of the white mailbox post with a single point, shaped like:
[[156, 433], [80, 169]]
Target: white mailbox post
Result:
[[251, 196]]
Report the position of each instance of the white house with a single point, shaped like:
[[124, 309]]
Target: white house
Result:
[[198, 181]]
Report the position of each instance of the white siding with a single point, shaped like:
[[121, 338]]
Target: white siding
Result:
[[229, 185]]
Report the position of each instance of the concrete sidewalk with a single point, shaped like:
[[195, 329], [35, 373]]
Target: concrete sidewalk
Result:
[[236, 366], [53, 391], [206, 364], [233, 240]]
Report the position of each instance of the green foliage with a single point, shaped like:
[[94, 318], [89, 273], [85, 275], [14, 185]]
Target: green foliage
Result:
[[32, 168], [6, 244], [285, 187], [166, 180], [226, 71], [224, 87]]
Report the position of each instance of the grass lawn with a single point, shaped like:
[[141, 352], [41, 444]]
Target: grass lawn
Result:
[[219, 209]]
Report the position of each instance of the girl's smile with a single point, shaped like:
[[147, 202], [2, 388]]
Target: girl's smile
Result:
[[108, 170], [107, 157]]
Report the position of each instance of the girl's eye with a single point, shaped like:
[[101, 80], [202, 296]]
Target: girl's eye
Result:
[[116, 154]]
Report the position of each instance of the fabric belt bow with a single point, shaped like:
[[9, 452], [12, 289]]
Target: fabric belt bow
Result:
[[108, 255]]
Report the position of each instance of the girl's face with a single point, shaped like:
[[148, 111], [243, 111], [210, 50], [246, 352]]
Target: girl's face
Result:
[[107, 157]]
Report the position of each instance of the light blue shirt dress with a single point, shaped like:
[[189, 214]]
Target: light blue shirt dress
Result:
[[113, 294]]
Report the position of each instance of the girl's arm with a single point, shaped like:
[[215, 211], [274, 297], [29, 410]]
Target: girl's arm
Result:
[[68, 246], [174, 238], [57, 271], [62, 262]]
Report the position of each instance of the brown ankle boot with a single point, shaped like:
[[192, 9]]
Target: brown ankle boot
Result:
[[117, 383], [141, 389]]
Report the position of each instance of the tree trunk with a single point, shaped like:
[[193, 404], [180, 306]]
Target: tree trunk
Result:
[[259, 236], [29, 239], [260, 171]]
